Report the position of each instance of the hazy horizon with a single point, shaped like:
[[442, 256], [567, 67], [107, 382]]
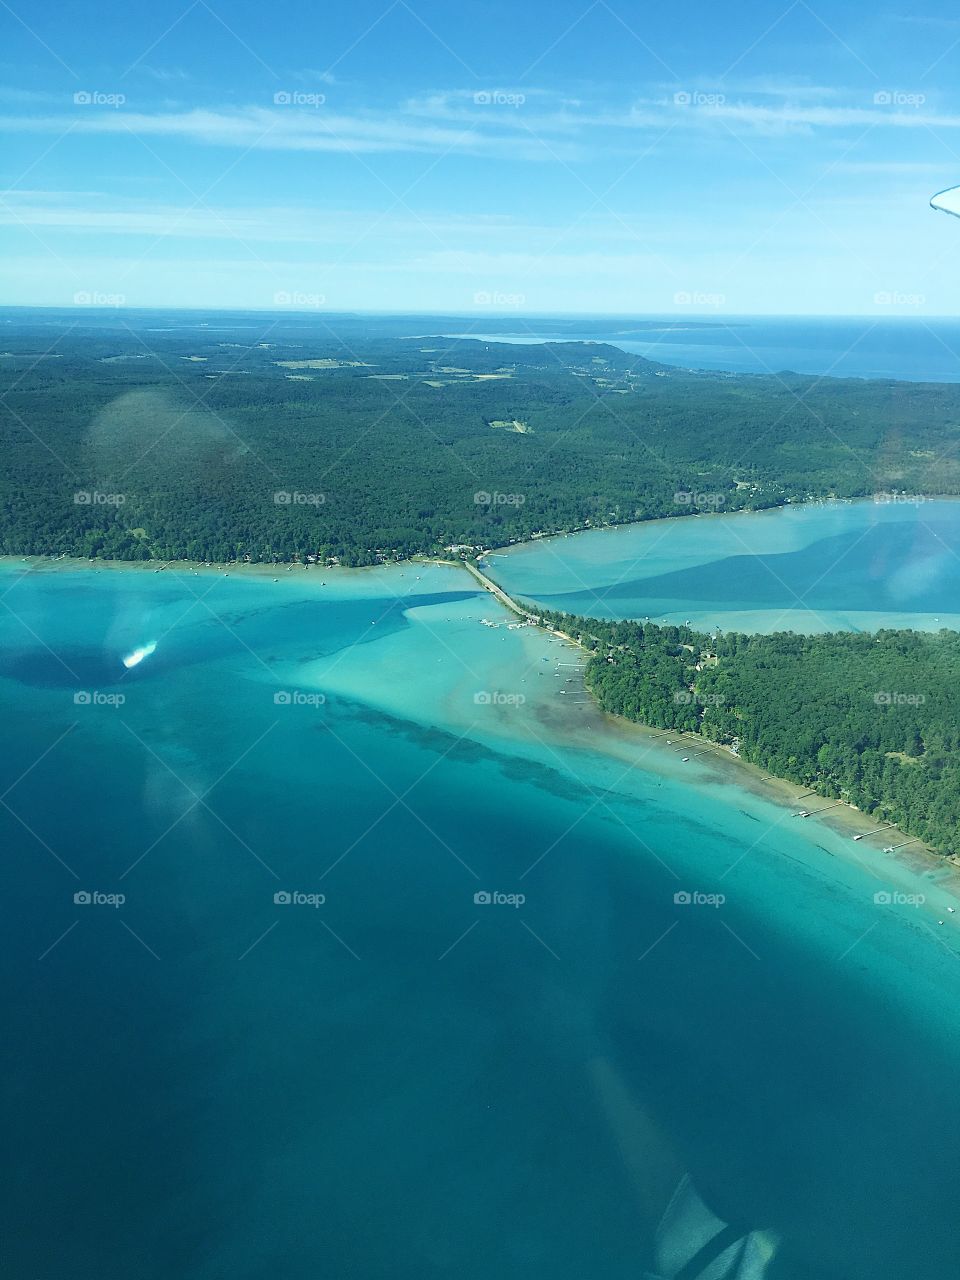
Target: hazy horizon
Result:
[[693, 318]]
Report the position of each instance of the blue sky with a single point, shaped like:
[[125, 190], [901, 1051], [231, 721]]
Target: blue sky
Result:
[[480, 158]]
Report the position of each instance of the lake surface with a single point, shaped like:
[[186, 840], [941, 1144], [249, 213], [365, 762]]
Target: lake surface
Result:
[[850, 566], [400, 1081], [917, 349]]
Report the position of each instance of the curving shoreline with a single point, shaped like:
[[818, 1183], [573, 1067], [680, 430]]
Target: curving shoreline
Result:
[[621, 737], [844, 817]]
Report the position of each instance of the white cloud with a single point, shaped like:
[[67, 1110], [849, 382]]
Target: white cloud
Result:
[[795, 88], [309, 75], [164, 75], [288, 128], [540, 127], [96, 212]]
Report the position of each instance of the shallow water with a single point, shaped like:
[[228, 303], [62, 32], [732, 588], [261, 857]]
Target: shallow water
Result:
[[851, 566], [401, 1081]]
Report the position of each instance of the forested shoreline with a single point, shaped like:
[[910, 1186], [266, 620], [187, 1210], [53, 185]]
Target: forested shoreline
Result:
[[873, 719], [138, 446], [134, 446]]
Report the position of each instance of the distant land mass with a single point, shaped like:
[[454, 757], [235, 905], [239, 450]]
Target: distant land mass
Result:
[[166, 436]]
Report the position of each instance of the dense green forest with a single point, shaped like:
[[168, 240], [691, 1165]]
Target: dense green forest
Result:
[[132, 440], [872, 719], [146, 438]]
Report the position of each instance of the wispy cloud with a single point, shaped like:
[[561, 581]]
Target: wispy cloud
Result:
[[497, 122], [286, 128], [164, 75], [789, 88], [891, 168], [100, 212], [920, 20], [310, 75]]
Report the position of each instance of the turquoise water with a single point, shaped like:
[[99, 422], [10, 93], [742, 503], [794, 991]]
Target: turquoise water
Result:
[[850, 566], [401, 1082]]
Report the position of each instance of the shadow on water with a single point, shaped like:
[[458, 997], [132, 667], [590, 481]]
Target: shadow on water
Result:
[[70, 668], [310, 629], [890, 566]]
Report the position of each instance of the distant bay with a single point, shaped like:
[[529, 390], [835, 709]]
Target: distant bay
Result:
[[904, 348]]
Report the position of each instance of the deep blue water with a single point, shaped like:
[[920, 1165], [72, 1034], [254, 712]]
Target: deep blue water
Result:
[[400, 1083], [912, 349]]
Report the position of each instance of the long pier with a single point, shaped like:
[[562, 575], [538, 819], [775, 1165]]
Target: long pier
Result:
[[499, 592], [522, 611]]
